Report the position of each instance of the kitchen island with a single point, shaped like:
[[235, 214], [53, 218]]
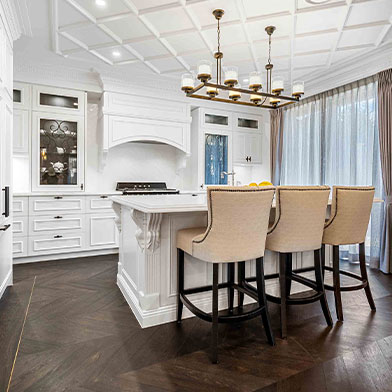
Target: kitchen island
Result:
[[147, 268]]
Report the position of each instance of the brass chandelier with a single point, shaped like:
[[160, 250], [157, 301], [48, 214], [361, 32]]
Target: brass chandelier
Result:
[[272, 97]]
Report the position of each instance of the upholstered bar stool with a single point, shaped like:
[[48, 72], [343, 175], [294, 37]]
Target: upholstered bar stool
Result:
[[236, 231], [350, 214], [298, 227]]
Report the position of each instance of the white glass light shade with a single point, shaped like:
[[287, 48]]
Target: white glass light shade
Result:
[[256, 99], [212, 91], [298, 88], [277, 85], [255, 80], [204, 68], [235, 95], [231, 76], [187, 82]]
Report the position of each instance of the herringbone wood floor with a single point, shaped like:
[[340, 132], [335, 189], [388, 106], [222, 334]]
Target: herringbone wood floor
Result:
[[81, 336]]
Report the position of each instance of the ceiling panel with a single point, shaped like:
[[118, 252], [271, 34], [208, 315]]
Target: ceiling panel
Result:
[[111, 7], [91, 35], [342, 55], [166, 64], [128, 28], [304, 5], [68, 14], [150, 48], [368, 12], [358, 37], [310, 60], [257, 28], [169, 20], [260, 8], [229, 35], [116, 54], [315, 42], [181, 42], [325, 19]]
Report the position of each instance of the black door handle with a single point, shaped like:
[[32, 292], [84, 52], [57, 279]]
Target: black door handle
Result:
[[250, 159], [5, 227], [58, 197], [58, 236], [103, 197], [247, 159], [6, 212], [58, 217]]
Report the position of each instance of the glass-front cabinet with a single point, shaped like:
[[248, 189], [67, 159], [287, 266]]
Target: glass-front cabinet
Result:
[[216, 159], [57, 152], [58, 100]]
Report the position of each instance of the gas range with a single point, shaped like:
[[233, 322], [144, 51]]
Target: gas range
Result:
[[145, 188]]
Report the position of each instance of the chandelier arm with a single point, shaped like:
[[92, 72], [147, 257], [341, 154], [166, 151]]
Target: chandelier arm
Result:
[[250, 92], [233, 102]]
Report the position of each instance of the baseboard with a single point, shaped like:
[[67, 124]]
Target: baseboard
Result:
[[61, 256], [6, 282], [167, 314]]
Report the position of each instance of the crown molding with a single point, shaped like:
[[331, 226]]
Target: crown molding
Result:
[[356, 68], [10, 17]]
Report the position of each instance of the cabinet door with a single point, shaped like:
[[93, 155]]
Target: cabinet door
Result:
[[51, 99], [57, 152], [247, 122], [21, 96], [216, 158], [102, 231], [216, 119], [6, 160], [21, 132], [254, 147], [240, 148]]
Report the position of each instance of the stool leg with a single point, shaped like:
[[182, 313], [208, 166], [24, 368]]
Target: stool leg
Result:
[[320, 286], [282, 283], [230, 290], [336, 283], [241, 278], [323, 259], [289, 272], [180, 277], [263, 300], [362, 264], [214, 347]]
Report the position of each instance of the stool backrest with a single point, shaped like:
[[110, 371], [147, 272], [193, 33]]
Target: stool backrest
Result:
[[350, 214], [299, 219], [237, 224]]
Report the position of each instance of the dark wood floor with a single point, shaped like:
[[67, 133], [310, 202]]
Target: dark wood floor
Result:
[[80, 336]]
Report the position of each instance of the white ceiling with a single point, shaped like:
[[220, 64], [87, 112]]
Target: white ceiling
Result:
[[169, 37]]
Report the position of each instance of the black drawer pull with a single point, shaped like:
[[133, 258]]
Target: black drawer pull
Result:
[[5, 227], [58, 217], [58, 197], [58, 236], [103, 197], [6, 212]]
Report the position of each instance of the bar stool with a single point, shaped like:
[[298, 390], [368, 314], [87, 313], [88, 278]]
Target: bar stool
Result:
[[350, 214], [236, 231], [298, 227]]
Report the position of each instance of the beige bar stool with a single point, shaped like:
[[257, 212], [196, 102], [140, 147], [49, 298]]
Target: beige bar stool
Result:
[[298, 227], [236, 231], [350, 214]]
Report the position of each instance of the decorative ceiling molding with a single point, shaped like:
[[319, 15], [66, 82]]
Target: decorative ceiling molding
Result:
[[12, 14]]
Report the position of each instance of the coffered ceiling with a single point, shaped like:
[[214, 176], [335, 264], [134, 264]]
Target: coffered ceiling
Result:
[[169, 37]]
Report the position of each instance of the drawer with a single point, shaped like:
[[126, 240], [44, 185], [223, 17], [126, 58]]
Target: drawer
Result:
[[20, 226], [43, 224], [56, 243], [56, 205], [19, 247], [96, 204], [20, 206]]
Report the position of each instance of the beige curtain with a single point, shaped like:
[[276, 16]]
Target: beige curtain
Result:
[[385, 136], [276, 144]]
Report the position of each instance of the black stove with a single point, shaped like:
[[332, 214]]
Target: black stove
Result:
[[145, 188]]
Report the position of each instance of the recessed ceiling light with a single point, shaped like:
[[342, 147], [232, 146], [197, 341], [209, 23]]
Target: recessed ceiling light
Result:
[[100, 3], [246, 80], [116, 53]]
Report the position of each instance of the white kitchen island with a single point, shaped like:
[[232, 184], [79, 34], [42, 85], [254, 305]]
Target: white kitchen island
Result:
[[147, 268]]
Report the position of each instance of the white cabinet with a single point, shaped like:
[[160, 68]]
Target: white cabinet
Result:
[[102, 231], [246, 148], [21, 95], [62, 224], [58, 100], [57, 152], [21, 132]]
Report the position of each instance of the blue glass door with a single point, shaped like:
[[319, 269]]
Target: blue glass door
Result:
[[216, 156]]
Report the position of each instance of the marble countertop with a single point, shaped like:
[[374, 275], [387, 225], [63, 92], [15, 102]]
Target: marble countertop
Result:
[[183, 202]]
